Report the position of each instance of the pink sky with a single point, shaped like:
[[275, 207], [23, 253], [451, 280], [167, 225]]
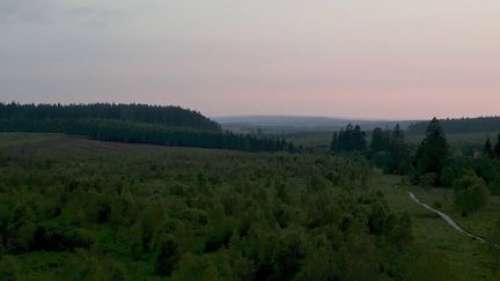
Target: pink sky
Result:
[[358, 58]]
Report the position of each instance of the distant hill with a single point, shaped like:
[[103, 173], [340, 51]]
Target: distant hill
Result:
[[294, 124], [132, 123], [168, 116], [461, 126]]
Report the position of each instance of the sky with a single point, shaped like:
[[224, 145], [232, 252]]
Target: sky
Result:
[[396, 59]]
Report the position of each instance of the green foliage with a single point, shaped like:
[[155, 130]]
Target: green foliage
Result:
[[170, 116], [167, 257], [133, 123], [9, 270], [429, 267], [494, 237], [461, 126], [433, 152], [471, 193], [389, 151], [101, 211], [488, 149], [454, 169], [350, 139], [496, 150], [428, 180]]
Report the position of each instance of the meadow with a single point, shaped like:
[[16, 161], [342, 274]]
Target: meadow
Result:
[[465, 258]]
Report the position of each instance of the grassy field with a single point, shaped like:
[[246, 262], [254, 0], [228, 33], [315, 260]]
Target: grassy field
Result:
[[469, 259]]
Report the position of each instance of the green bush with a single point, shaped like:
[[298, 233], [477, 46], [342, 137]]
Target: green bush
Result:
[[471, 193], [167, 257], [428, 180]]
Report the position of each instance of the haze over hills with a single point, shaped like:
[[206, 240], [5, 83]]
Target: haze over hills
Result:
[[291, 124]]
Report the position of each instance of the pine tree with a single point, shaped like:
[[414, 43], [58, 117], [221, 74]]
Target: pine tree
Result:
[[334, 144], [488, 149], [398, 134], [433, 152], [497, 148], [350, 139], [167, 257], [378, 140]]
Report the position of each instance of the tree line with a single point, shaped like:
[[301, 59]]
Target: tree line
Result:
[[460, 126], [171, 126], [169, 116], [490, 150], [433, 163], [387, 149]]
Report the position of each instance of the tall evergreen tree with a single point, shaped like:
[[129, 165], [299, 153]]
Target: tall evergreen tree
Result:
[[497, 148], [378, 142], [359, 139], [333, 146], [349, 139], [433, 152], [397, 133], [488, 149], [389, 150]]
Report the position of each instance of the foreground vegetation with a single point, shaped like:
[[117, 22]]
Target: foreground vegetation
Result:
[[80, 210], [75, 209]]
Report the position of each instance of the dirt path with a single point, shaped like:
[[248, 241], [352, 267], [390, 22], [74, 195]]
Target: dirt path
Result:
[[451, 222]]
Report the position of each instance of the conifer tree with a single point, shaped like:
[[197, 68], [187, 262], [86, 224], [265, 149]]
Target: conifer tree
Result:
[[433, 152], [488, 149], [497, 148]]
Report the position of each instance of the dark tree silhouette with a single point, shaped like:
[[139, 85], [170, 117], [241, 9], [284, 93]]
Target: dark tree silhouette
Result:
[[350, 139], [163, 125], [497, 148], [461, 126], [488, 148], [433, 152]]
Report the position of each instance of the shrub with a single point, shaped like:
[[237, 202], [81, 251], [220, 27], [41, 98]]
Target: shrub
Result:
[[428, 180], [167, 257], [8, 269], [471, 193]]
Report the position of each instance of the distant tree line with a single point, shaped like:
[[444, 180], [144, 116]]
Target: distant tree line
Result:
[[170, 116], [432, 163], [132, 124], [460, 126], [490, 150], [387, 149], [472, 178], [350, 139]]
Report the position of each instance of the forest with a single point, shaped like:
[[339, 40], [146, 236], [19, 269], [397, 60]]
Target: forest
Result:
[[461, 126], [81, 210], [133, 123], [74, 208], [168, 116]]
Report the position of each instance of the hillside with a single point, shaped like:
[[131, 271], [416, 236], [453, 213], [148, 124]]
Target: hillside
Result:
[[168, 116], [172, 126], [298, 124], [461, 126]]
